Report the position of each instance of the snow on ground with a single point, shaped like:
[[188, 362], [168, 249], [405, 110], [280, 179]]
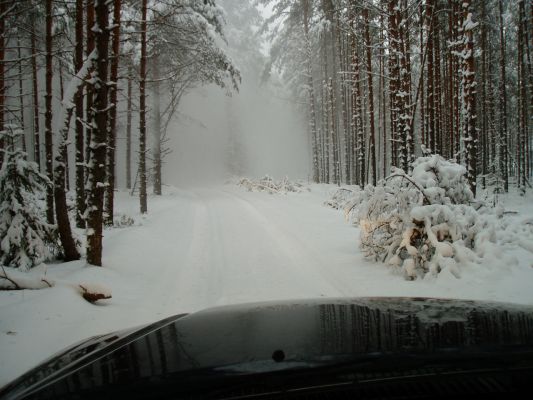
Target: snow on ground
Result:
[[215, 246]]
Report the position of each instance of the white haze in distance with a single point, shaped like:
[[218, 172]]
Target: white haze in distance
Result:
[[254, 132], [269, 131]]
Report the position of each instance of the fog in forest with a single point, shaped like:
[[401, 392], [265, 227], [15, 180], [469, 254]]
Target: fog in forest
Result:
[[252, 133], [217, 133]]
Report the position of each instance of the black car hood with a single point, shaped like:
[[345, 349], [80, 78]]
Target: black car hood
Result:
[[261, 338]]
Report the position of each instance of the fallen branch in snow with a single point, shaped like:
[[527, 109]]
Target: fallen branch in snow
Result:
[[403, 176], [46, 281], [23, 282], [93, 293], [267, 188], [345, 199], [4, 276]]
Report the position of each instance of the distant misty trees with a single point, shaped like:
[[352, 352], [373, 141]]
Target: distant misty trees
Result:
[[383, 81], [72, 73]]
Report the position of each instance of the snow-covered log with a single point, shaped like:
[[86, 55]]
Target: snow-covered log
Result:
[[93, 292]]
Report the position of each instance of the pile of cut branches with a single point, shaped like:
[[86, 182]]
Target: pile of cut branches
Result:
[[424, 222], [272, 186]]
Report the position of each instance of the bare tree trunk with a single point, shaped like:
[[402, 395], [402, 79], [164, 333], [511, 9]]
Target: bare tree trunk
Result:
[[98, 144], [63, 157], [157, 128], [357, 108], [530, 84], [439, 115], [423, 137], [80, 155], [325, 131], [451, 82], [333, 129], [457, 91], [341, 89], [128, 128], [311, 91], [372, 148], [430, 101], [493, 135], [110, 189], [35, 89], [48, 115], [2, 77], [142, 115], [503, 139], [382, 114], [522, 99], [394, 85], [325, 115], [484, 111], [21, 96], [89, 88]]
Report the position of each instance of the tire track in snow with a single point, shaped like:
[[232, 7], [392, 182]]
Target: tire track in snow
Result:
[[195, 286], [296, 262], [313, 265]]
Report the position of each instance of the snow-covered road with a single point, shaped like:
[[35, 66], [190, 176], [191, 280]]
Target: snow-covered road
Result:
[[213, 246], [221, 246]]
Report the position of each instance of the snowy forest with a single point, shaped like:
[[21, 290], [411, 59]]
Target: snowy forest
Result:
[[380, 83], [387, 81], [156, 139], [84, 49]]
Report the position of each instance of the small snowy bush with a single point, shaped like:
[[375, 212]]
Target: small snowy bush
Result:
[[269, 185], [123, 221], [26, 239], [424, 222]]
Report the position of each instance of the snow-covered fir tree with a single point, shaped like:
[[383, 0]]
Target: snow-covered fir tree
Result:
[[26, 238]]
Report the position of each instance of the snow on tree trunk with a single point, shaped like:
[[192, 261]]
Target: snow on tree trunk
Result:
[[142, 115], [503, 135], [310, 91], [372, 147], [157, 126], [48, 139], [80, 157], [128, 127], [110, 189], [469, 96], [68, 105], [35, 95], [99, 119], [357, 117], [89, 88]]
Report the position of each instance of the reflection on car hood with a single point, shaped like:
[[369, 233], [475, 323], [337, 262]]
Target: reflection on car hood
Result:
[[264, 337]]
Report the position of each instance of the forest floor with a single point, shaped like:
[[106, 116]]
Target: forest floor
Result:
[[199, 248]]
